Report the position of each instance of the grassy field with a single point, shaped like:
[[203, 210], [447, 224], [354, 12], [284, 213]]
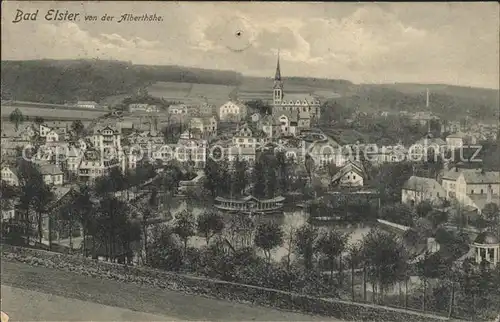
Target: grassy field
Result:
[[177, 306], [190, 93], [261, 88], [53, 114]]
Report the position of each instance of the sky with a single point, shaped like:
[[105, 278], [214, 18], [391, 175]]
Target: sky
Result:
[[445, 43]]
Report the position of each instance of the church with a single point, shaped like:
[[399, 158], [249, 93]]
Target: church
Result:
[[292, 112]]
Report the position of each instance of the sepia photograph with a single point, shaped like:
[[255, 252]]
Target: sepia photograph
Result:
[[250, 161]]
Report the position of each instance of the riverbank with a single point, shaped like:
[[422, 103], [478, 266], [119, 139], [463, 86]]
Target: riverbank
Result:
[[186, 284]]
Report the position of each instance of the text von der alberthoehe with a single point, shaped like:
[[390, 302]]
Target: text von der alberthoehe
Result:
[[66, 15]]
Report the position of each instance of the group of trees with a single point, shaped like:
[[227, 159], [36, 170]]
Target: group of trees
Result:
[[270, 176], [319, 262]]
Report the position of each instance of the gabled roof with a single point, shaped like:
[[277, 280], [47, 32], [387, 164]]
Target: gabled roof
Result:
[[452, 174], [12, 169], [351, 166], [486, 238], [421, 184], [456, 136], [49, 169], [477, 176]]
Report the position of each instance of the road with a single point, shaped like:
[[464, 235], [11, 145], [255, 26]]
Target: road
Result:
[[40, 294]]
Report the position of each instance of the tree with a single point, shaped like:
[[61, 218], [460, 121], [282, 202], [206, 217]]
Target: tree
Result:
[[185, 227], [39, 120], [166, 249], [271, 182], [332, 170], [112, 225], [423, 208], [305, 244], [390, 179], [332, 244], [259, 179], [309, 164], [85, 208], [147, 211], [241, 230], [209, 224], [437, 217], [491, 214], [77, 127], [385, 259], [240, 179], [34, 194], [284, 170], [16, 118], [398, 213], [355, 261], [267, 237]]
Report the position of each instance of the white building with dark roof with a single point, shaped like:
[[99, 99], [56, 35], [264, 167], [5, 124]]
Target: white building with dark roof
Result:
[[304, 107], [472, 187], [10, 176], [418, 189], [51, 174], [232, 111], [352, 174]]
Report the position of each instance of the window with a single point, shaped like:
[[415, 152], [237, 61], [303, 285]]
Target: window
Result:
[[353, 176], [348, 177], [472, 191], [482, 191]]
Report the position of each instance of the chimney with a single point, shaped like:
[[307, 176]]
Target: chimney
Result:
[[427, 99], [489, 193]]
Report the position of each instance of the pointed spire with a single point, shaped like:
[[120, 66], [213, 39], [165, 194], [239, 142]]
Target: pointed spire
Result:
[[278, 71]]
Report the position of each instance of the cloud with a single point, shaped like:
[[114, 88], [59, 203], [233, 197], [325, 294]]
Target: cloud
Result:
[[441, 42]]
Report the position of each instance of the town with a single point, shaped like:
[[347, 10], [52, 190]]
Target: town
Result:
[[249, 190]]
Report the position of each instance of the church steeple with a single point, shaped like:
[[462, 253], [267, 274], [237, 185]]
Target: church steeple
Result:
[[278, 84], [277, 76]]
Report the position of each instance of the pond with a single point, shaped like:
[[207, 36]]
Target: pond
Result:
[[288, 220]]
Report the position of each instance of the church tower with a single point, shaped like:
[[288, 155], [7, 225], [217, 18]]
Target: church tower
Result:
[[278, 84]]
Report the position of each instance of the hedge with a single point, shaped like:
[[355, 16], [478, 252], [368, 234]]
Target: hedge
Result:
[[214, 288]]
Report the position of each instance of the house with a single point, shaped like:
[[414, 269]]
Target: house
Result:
[[43, 130], [10, 176], [455, 141], [137, 107], [8, 210], [472, 187], [418, 189], [27, 133], [269, 125], [247, 154], [51, 174], [191, 152], [56, 135], [89, 170], [145, 138], [248, 136], [352, 174], [106, 136], [422, 148], [73, 159], [86, 104], [255, 117], [206, 125], [232, 111], [423, 118], [181, 109]]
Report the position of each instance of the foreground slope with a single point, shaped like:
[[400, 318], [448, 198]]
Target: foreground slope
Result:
[[67, 296]]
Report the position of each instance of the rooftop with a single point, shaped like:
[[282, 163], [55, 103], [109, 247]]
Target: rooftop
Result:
[[486, 238], [421, 184]]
